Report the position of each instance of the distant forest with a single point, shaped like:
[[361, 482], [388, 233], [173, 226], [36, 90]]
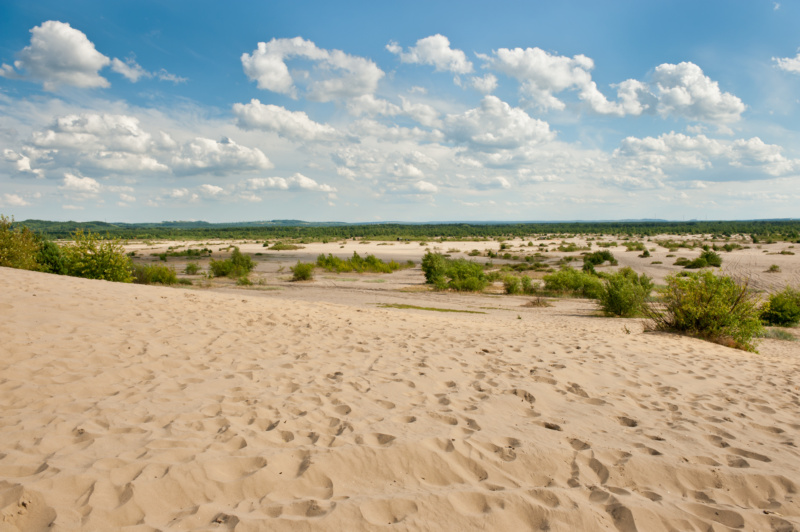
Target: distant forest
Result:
[[759, 230]]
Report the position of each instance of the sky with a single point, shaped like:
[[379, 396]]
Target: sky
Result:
[[410, 111]]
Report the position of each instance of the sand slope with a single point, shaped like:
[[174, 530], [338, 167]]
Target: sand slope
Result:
[[155, 408]]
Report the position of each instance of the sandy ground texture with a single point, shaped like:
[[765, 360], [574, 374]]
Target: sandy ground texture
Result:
[[152, 408]]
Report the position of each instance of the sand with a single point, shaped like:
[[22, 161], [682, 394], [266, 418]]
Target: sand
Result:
[[153, 408]]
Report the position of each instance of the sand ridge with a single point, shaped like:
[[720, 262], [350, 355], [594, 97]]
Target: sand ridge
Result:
[[155, 408]]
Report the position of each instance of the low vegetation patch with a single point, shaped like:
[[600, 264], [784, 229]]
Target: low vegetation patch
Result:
[[359, 264], [302, 271], [624, 293], [458, 274], [280, 246], [782, 308], [569, 281], [237, 265], [154, 274], [716, 308]]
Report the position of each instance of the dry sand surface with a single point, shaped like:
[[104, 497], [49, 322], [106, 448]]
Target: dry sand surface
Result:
[[152, 408]]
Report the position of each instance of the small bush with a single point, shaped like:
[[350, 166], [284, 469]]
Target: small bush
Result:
[[244, 281], [239, 264], [302, 271], [782, 308], [459, 274], [716, 308], [92, 257], [18, 246], [280, 246], [50, 259], [191, 268], [511, 284], [153, 274], [571, 281], [597, 258], [624, 293]]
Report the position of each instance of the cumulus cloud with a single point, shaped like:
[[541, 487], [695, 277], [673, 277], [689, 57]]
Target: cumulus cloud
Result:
[[434, 50], [84, 186], [424, 187], [203, 155], [290, 124], [337, 76], [672, 151], [297, 181], [684, 90], [542, 75], [789, 64], [367, 104], [496, 125], [485, 84], [59, 55], [22, 163], [13, 200]]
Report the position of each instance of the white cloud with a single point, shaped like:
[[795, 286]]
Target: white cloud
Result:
[[337, 76], [13, 200], [543, 74], [59, 55], [163, 75], [684, 90], [211, 191], [789, 64], [127, 198], [425, 187], [496, 125], [22, 163], [434, 50], [291, 124], [367, 104], [486, 84], [130, 69], [204, 155], [83, 185], [297, 181]]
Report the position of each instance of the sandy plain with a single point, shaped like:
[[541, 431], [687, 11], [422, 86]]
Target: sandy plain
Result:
[[309, 406]]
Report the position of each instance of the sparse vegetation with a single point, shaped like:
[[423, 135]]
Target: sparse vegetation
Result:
[[716, 308], [359, 264], [154, 274], [239, 264], [458, 274], [624, 293], [782, 308], [302, 271], [18, 245], [569, 281]]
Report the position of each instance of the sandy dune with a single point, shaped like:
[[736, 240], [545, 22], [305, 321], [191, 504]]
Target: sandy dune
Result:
[[152, 408]]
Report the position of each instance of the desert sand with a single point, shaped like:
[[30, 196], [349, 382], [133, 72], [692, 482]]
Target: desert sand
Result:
[[313, 408]]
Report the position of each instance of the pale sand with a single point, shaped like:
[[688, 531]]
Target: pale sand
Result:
[[160, 408]]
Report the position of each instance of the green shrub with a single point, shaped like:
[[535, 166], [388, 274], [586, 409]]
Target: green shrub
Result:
[[459, 274], [359, 264], [280, 246], [512, 285], [526, 286], [92, 257], [782, 308], [302, 271], [716, 308], [50, 259], [244, 280], [624, 293], [574, 282], [154, 274], [18, 246], [239, 264], [595, 259], [191, 268]]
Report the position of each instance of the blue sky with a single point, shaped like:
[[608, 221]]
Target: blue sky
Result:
[[408, 111]]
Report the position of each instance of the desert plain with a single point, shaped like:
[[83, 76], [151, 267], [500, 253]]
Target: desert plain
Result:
[[322, 406]]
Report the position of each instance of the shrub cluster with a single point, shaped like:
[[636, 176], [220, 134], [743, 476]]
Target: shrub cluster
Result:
[[238, 265], [93, 257], [154, 274], [782, 308], [706, 258], [518, 285], [597, 258], [625, 293], [717, 308], [18, 246], [359, 264], [302, 271], [458, 274], [574, 282]]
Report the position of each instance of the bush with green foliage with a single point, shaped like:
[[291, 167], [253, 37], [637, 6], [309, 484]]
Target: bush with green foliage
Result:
[[512, 285], [597, 258], [191, 268], [50, 258], [625, 293], [717, 308], [359, 264], [302, 271], [18, 245], [574, 282], [782, 308], [239, 264], [154, 274], [93, 257], [458, 274]]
